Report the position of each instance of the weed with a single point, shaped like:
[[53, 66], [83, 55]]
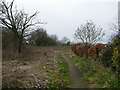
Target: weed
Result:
[[53, 75], [13, 84], [95, 72], [64, 67], [65, 80], [25, 63]]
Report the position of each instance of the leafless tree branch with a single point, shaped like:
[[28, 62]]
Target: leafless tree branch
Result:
[[16, 21], [88, 33]]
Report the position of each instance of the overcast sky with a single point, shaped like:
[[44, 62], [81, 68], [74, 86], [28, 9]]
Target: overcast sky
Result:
[[64, 16]]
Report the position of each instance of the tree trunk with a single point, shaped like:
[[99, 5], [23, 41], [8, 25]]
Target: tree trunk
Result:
[[20, 45]]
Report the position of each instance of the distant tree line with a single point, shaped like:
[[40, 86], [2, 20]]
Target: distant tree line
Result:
[[40, 37], [37, 37]]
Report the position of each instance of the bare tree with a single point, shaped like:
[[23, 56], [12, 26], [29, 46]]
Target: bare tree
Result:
[[16, 20], [89, 33], [54, 37], [65, 40], [119, 18], [115, 28]]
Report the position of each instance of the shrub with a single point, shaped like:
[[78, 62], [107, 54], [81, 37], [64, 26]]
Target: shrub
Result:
[[8, 39], [95, 73], [116, 53], [116, 56], [93, 51], [106, 56], [40, 37]]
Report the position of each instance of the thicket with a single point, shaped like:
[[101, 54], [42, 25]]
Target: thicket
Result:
[[116, 56], [94, 72], [38, 37], [8, 39], [41, 38], [116, 53], [109, 57], [105, 56]]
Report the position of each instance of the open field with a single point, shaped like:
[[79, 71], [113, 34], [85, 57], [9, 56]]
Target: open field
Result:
[[36, 65], [53, 67], [71, 44]]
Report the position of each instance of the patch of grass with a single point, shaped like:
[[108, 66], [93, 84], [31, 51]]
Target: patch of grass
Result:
[[54, 85], [64, 70], [14, 84], [53, 75], [15, 58], [66, 81], [95, 73], [24, 63], [46, 69], [61, 75], [64, 66]]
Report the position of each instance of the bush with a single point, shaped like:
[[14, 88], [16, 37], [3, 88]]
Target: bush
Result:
[[116, 56], [116, 53], [106, 56], [8, 39], [41, 38], [95, 73]]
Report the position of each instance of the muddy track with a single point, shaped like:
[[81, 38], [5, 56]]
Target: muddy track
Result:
[[75, 75]]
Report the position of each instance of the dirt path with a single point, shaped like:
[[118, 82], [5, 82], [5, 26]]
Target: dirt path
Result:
[[76, 75]]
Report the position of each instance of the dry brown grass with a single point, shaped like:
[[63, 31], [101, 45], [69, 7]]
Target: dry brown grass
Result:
[[31, 67]]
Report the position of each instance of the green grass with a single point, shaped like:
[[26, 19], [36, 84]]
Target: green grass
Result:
[[13, 84], [95, 73], [53, 75], [46, 69], [63, 71], [24, 63], [64, 66]]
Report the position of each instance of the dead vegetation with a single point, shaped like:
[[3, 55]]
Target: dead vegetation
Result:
[[32, 67]]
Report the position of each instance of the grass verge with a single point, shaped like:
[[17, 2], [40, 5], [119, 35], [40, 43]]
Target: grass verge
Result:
[[95, 73], [64, 80]]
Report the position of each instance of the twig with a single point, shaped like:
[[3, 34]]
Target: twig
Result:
[[35, 78]]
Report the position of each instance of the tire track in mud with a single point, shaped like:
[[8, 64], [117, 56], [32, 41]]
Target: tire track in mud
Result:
[[75, 75]]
